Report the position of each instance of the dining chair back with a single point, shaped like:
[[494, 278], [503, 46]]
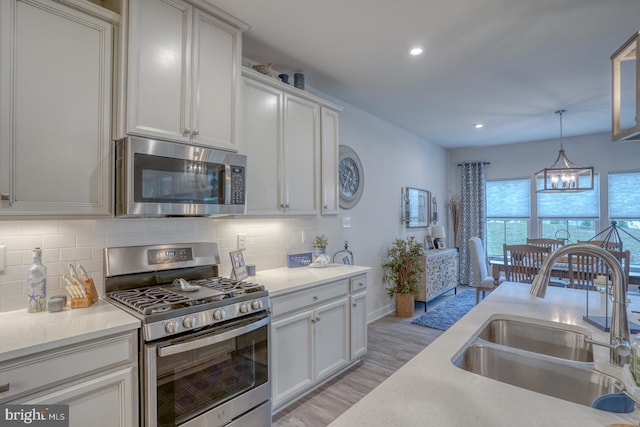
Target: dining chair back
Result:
[[584, 269], [610, 246], [546, 242], [481, 280], [522, 262]]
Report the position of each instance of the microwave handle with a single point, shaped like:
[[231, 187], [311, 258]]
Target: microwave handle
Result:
[[227, 184], [212, 339]]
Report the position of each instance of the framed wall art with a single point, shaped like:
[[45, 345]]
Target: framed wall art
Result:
[[416, 207]]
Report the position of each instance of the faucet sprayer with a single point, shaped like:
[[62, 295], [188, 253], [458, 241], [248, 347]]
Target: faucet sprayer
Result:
[[619, 332]]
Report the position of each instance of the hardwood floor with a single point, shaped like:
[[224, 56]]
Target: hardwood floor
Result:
[[391, 343]]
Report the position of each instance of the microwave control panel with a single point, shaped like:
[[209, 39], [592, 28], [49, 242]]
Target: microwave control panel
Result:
[[237, 185]]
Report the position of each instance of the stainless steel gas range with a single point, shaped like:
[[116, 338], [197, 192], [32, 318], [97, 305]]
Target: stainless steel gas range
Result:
[[204, 341]]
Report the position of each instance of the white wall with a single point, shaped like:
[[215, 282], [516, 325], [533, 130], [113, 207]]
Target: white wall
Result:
[[524, 160], [391, 158]]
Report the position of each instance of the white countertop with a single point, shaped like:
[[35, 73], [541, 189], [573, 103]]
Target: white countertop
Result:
[[23, 333], [282, 280], [430, 391]]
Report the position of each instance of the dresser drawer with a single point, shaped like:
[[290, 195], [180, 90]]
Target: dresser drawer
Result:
[[33, 373], [308, 297], [358, 283]]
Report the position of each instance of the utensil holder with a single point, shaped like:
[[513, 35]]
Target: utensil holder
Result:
[[92, 296]]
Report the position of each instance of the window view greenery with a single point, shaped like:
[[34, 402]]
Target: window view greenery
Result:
[[570, 216]]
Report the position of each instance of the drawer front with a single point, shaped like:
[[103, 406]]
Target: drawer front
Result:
[[308, 297], [33, 373], [358, 283]]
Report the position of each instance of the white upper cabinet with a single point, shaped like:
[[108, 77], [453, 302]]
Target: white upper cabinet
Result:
[[182, 74], [290, 139], [329, 161], [55, 102]]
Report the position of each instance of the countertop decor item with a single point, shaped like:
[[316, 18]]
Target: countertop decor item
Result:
[[319, 244], [37, 283], [350, 177], [564, 176], [402, 269]]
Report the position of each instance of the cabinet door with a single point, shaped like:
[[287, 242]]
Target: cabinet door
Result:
[[358, 325], [262, 142], [215, 53], [55, 97], [108, 400], [331, 337], [329, 161], [159, 69], [292, 356], [301, 136]]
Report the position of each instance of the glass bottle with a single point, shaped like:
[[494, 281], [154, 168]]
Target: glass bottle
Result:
[[37, 283], [635, 359]]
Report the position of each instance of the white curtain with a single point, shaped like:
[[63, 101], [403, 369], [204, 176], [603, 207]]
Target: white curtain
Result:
[[474, 214]]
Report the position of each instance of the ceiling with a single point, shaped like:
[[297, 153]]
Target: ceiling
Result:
[[504, 63]]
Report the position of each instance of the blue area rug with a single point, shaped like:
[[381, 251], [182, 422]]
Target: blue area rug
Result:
[[445, 314]]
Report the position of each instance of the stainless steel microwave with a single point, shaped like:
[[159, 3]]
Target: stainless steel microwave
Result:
[[156, 178]]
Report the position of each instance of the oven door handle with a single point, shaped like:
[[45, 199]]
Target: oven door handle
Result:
[[210, 340]]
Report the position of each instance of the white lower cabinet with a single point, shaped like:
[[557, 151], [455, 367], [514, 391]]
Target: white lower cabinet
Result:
[[97, 379], [312, 336], [358, 300]]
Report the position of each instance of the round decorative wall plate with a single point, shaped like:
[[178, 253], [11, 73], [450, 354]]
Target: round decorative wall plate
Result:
[[350, 177]]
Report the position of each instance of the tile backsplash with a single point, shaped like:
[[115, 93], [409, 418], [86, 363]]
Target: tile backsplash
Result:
[[82, 241]]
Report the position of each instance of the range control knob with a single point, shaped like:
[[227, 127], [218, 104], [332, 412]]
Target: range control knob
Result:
[[219, 314], [244, 308], [189, 322], [171, 326], [256, 305]]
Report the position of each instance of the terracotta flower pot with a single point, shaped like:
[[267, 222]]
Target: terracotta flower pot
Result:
[[404, 305]]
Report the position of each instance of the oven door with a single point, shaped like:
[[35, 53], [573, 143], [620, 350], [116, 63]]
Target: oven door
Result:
[[210, 378]]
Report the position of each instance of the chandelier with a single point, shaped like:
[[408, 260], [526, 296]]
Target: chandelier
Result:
[[564, 176]]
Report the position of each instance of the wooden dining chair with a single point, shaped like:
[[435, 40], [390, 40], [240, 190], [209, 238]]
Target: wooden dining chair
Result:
[[522, 262], [584, 269], [545, 241], [610, 246]]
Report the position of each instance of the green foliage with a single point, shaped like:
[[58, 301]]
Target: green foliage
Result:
[[403, 266], [320, 241]]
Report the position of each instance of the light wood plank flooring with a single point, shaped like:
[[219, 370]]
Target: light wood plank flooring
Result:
[[391, 343]]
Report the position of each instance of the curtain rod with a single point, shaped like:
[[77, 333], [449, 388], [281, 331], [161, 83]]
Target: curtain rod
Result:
[[473, 163]]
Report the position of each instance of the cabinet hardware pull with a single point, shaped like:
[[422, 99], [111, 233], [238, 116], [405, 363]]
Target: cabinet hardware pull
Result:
[[195, 132], [313, 320], [5, 197], [5, 387], [325, 207], [317, 319], [315, 298], [355, 305], [187, 132]]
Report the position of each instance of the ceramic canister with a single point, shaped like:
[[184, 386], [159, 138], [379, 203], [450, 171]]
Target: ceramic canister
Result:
[[298, 80]]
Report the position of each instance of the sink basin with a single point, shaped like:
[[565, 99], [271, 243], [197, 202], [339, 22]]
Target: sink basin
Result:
[[545, 338], [575, 382]]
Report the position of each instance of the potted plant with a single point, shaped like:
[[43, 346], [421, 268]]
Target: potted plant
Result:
[[319, 244], [402, 268]]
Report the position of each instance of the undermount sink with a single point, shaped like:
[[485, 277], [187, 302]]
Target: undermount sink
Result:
[[548, 338], [573, 381]]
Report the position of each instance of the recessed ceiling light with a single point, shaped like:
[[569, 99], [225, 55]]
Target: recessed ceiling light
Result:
[[415, 51], [478, 125]]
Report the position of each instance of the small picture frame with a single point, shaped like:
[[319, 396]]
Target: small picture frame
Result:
[[440, 244], [238, 267], [428, 242]]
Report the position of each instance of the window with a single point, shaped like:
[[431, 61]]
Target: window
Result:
[[570, 216], [508, 213], [624, 208]]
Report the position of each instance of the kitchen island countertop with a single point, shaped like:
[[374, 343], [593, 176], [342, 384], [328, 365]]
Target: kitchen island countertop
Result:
[[430, 391]]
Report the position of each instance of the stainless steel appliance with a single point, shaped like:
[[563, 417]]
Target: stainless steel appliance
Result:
[[204, 341], [161, 178]]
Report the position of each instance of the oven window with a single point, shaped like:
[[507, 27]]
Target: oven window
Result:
[[192, 382], [169, 180]]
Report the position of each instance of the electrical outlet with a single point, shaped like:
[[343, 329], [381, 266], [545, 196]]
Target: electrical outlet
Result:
[[346, 222], [242, 241], [302, 237]]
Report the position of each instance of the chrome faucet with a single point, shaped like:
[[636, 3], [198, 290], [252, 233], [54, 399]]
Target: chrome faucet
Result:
[[619, 332]]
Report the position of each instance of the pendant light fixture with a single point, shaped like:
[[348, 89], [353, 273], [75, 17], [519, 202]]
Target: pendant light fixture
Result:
[[564, 176]]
